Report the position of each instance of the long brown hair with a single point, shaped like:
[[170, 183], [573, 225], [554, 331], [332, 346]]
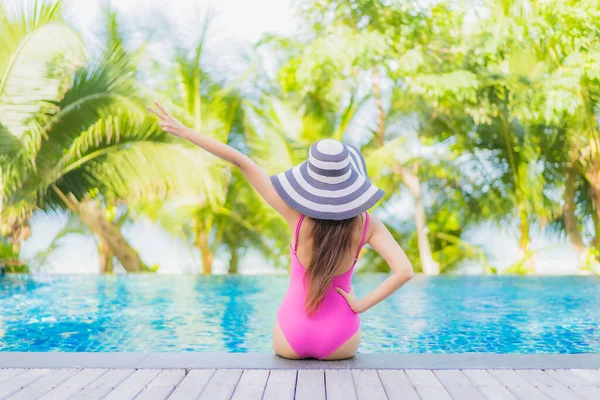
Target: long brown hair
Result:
[[331, 242]]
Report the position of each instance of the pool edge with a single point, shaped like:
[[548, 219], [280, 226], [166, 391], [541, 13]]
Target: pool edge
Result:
[[270, 361]]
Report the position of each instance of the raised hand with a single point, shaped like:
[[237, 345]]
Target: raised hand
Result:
[[168, 122]]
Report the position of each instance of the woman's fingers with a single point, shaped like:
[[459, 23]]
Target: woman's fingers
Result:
[[166, 121], [341, 291], [153, 111], [165, 112], [349, 297]]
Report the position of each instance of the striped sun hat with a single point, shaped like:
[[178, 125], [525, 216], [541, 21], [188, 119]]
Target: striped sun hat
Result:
[[332, 184]]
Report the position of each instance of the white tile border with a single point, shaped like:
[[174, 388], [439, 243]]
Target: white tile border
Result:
[[270, 361]]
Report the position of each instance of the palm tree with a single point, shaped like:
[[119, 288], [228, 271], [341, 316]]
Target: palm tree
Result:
[[409, 176], [474, 92], [37, 52], [96, 149], [211, 108], [529, 96], [344, 55], [575, 77], [247, 223], [569, 55]]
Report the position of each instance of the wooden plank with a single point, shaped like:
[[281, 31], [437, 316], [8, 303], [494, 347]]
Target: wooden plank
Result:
[[133, 385], [458, 385], [339, 384], [251, 385], [591, 375], [20, 381], [193, 384], [8, 373], [576, 383], [517, 385], [45, 384], [548, 385], [281, 385], [486, 384], [310, 384], [102, 386], [222, 385], [163, 385], [397, 385], [368, 385], [74, 384], [427, 385]]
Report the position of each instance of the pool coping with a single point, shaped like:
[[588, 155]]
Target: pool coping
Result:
[[270, 361]]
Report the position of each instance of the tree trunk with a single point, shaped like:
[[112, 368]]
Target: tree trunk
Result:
[[1, 198], [92, 215], [592, 174], [524, 242], [206, 252], [571, 223], [524, 238], [107, 231], [19, 232], [430, 266], [591, 161], [16, 245], [234, 261], [595, 195], [106, 257], [596, 241]]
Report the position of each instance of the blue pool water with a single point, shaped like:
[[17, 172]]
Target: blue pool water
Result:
[[153, 313]]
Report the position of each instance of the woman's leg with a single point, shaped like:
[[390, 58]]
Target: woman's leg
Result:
[[281, 346], [348, 349]]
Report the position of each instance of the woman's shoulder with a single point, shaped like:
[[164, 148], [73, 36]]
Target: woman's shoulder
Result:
[[375, 225]]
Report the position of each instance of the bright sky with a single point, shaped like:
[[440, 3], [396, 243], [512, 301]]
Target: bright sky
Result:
[[235, 22], [245, 19], [239, 23]]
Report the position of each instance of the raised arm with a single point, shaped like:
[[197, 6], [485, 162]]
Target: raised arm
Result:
[[383, 243], [257, 177]]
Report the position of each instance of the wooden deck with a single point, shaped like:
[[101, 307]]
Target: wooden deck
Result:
[[310, 384]]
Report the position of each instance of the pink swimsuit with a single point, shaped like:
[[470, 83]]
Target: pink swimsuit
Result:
[[322, 333]]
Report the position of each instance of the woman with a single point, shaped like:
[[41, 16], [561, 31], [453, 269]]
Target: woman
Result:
[[318, 317]]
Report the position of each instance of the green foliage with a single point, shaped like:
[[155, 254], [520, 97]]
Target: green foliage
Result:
[[9, 260], [37, 50], [485, 114]]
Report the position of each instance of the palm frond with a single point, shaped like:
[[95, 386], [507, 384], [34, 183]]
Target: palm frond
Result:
[[268, 142], [146, 171], [348, 115], [381, 163], [37, 53], [9, 143]]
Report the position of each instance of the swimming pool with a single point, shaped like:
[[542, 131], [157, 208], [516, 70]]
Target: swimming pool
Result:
[[158, 313]]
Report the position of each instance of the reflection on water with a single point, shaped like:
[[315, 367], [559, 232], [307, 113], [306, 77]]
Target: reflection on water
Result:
[[150, 313]]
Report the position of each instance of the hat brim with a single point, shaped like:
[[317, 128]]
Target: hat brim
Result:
[[322, 200]]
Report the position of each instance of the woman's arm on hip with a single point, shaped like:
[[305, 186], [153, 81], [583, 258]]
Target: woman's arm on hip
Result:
[[383, 243]]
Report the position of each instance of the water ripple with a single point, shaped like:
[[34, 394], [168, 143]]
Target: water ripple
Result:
[[151, 313]]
